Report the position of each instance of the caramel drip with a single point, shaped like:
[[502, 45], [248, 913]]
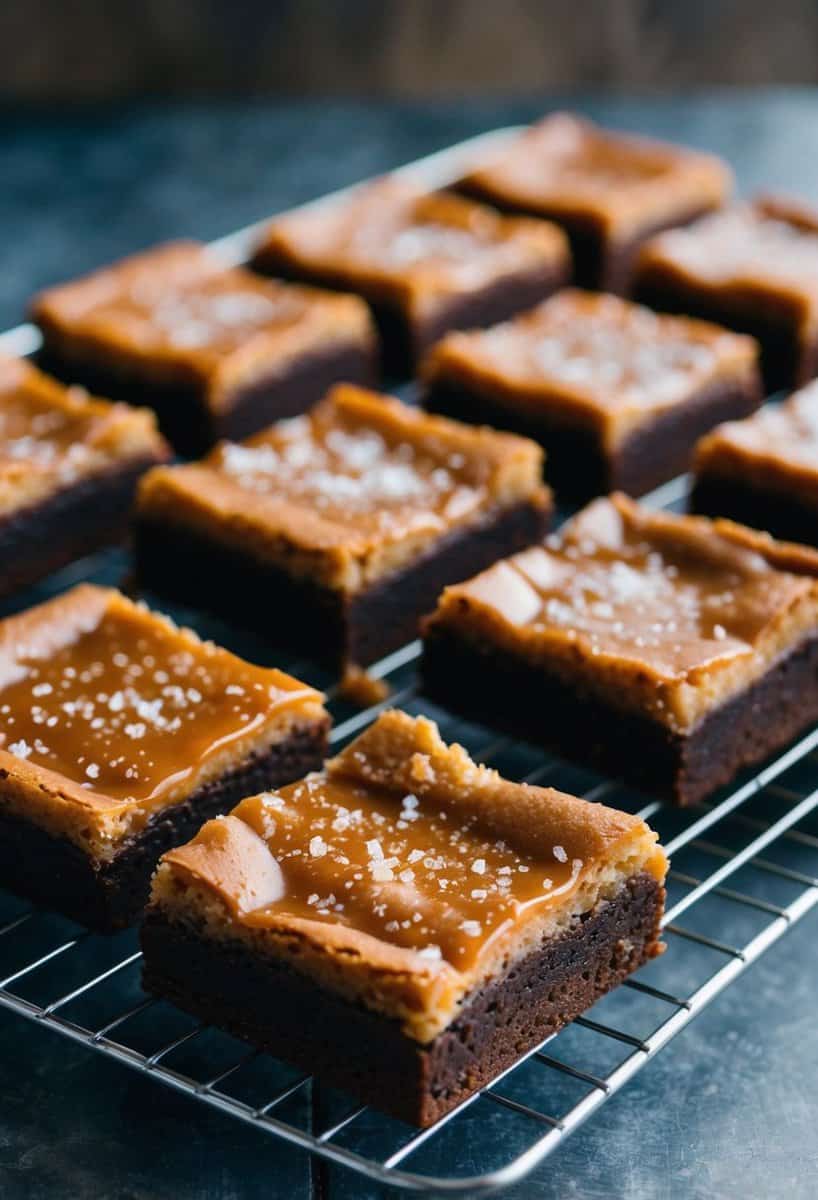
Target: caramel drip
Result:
[[126, 705], [666, 592], [403, 869]]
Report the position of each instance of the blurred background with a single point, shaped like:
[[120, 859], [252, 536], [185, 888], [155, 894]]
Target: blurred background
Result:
[[75, 50]]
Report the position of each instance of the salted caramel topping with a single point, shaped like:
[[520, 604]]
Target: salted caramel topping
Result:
[[51, 435], [565, 165], [119, 701], [602, 354], [179, 304], [786, 433], [360, 471], [393, 232], [440, 870], [747, 244]]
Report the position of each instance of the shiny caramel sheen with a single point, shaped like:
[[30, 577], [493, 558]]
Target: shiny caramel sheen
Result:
[[674, 595], [118, 700], [599, 351], [443, 868]]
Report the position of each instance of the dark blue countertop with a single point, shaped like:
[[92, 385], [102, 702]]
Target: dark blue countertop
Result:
[[726, 1110]]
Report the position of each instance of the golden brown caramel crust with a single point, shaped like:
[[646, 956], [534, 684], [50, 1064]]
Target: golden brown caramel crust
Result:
[[767, 250], [565, 166], [776, 447], [666, 614], [401, 244], [406, 861], [109, 712], [601, 360], [177, 315], [352, 488], [52, 436]]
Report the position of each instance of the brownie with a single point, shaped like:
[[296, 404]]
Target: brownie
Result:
[[668, 650], [425, 262], [216, 351], [617, 395], [337, 530], [69, 466], [406, 924], [752, 268], [764, 471], [120, 735], [609, 191]]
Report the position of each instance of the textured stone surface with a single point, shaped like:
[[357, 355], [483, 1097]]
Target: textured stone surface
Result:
[[728, 1109]]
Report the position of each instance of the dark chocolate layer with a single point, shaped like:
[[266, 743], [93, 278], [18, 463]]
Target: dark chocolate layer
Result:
[[578, 465], [329, 625], [184, 414], [524, 698], [273, 1007], [108, 895], [75, 521], [784, 514]]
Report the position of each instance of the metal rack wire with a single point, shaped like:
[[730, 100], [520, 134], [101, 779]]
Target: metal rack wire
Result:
[[745, 865]]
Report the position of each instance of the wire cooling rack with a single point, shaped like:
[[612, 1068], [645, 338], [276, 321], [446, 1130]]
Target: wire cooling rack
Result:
[[744, 869]]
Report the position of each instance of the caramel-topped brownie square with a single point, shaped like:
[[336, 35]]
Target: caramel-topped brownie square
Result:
[[426, 262], [119, 735], [617, 395], [216, 351], [609, 191], [764, 471], [69, 465], [668, 650], [336, 531], [752, 268], [405, 924]]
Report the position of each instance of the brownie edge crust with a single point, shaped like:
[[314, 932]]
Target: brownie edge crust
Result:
[[107, 896], [276, 1009]]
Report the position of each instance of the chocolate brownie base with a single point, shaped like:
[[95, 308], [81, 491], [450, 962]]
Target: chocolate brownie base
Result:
[[273, 1007], [330, 626], [780, 513], [578, 465], [184, 415], [523, 698], [108, 895], [403, 341], [599, 265], [77, 520], [786, 362]]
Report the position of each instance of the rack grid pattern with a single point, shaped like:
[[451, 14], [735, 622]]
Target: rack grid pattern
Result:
[[744, 867]]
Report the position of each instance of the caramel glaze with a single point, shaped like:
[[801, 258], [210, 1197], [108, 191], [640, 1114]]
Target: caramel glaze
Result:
[[404, 840], [565, 165], [673, 596], [120, 702], [783, 437], [596, 353], [420, 243]]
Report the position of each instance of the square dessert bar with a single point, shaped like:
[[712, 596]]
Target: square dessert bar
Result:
[[617, 395], [405, 924], [753, 268], [119, 735], [668, 650], [764, 471], [216, 351], [608, 191], [69, 466], [336, 531], [426, 263]]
